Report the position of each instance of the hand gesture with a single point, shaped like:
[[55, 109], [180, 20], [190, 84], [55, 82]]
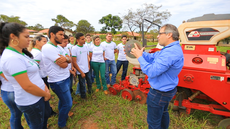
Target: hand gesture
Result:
[[136, 51]]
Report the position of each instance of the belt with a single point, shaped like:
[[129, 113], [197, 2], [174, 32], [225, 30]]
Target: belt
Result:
[[160, 91]]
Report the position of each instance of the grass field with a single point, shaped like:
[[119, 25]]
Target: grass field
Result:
[[102, 111]]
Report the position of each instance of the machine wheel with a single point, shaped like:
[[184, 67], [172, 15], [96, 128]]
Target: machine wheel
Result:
[[127, 94], [139, 97], [113, 90], [224, 124]]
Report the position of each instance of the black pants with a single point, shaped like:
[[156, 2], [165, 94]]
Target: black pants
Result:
[[45, 79]]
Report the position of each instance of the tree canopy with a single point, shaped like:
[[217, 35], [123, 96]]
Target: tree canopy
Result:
[[133, 19], [112, 23], [84, 27], [63, 22], [37, 27], [5, 18]]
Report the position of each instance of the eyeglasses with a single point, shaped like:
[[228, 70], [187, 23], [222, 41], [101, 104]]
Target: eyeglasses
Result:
[[162, 33]]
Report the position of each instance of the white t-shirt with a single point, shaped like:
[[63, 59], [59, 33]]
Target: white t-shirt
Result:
[[97, 53], [6, 85], [109, 49], [81, 53], [69, 46], [121, 55], [14, 63], [159, 46], [49, 56], [88, 45], [37, 54], [68, 52]]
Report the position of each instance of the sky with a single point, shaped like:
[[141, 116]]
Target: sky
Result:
[[42, 11]]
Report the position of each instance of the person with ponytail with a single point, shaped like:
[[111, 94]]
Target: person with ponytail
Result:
[[31, 93], [37, 43]]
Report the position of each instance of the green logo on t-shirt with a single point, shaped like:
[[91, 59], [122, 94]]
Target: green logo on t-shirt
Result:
[[80, 52]]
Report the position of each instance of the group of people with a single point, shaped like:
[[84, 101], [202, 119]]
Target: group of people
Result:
[[27, 76]]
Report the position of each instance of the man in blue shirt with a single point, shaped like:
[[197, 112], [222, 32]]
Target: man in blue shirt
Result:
[[162, 69]]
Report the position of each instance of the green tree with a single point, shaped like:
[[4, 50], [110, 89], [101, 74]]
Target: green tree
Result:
[[154, 32], [63, 22], [134, 19], [84, 27], [103, 30], [5, 18], [37, 27], [112, 23], [102, 37]]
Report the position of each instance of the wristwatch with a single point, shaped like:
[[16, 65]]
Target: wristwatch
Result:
[[67, 59]]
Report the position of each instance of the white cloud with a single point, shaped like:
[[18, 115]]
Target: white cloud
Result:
[[41, 11]]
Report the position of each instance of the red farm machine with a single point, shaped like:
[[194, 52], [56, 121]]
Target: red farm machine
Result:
[[205, 75]]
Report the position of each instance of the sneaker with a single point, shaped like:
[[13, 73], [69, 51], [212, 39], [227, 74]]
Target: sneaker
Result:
[[70, 114], [74, 102], [106, 92], [97, 90], [108, 85]]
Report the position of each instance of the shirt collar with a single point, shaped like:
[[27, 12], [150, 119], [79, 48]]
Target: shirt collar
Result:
[[171, 44]]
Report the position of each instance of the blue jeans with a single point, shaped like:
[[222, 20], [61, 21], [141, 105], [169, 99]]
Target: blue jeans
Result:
[[110, 66], [92, 73], [37, 114], [71, 83], [82, 84], [15, 118], [62, 90], [78, 89], [157, 103], [125, 67]]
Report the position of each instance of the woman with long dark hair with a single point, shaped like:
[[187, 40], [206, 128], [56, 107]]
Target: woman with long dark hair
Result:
[[31, 93]]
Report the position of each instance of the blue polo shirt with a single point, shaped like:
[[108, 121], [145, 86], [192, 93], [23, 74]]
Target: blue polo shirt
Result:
[[163, 67]]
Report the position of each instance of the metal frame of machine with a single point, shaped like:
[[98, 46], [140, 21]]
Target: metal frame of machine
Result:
[[204, 75]]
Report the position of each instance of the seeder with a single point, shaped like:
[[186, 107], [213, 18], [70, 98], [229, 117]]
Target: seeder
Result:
[[205, 75]]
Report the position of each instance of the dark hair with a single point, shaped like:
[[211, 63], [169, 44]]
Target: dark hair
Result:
[[65, 36], [78, 35], [87, 35], [24, 50], [54, 30], [11, 28], [123, 36]]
